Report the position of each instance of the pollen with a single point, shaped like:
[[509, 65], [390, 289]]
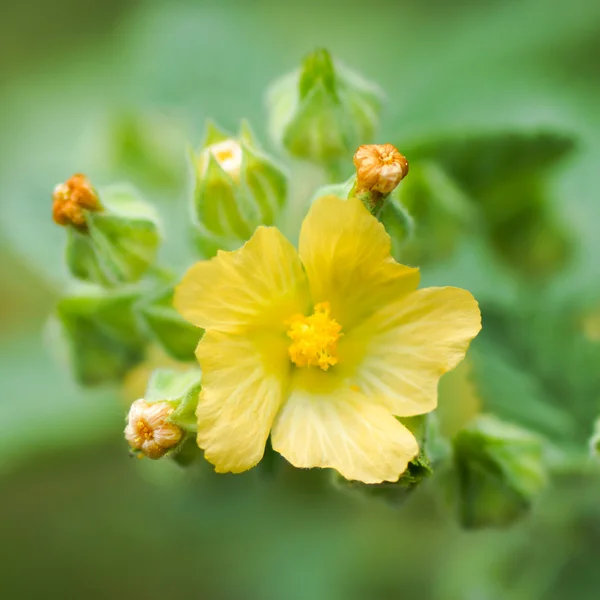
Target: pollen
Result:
[[314, 338]]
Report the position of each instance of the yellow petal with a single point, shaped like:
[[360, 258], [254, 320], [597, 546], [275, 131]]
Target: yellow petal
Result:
[[402, 350], [346, 254], [343, 430], [243, 379], [260, 285]]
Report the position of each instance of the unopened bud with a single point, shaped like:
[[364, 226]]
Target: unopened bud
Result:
[[71, 199], [114, 244], [322, 111], [238, 188], [500, 469], [149, 430], [379, 168]]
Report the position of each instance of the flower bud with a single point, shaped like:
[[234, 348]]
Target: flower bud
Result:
[[157, 423], [71, 199], [149, 430], [111, 244], [500, 469], [99, 334], [379, 168], [238, 188], [323, 111]]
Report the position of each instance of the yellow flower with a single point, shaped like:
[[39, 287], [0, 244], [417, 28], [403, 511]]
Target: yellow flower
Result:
[[320, 348]]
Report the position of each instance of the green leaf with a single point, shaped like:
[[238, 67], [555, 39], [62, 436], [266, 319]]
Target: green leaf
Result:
[[178, 337], [480, 161], [101, 335], [511, 391]]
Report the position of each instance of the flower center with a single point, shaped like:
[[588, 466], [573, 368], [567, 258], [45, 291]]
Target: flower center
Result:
[[314, 338], [387, 158], [144, 430]]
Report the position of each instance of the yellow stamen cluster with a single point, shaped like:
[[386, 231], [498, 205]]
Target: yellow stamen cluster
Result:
[[314, 338]]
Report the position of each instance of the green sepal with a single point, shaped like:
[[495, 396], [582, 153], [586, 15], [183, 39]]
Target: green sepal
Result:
[[341, 190], [399, 225], [180, 389], [175, 335], [499, 471], [317, 70], [100, 333], [213, 134], [264, 183], [120, 243], [222, 207]]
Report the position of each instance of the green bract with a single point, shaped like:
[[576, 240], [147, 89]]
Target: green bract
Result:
[[120, 243], [238, 187], [323, 111]]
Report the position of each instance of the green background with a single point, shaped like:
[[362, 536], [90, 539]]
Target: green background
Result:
[[78, 82]]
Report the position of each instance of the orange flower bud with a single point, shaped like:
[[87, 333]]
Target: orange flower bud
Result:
[[379, 168], [71, 198]]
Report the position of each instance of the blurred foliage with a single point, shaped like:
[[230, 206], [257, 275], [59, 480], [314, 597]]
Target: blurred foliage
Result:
[[493, 98]]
